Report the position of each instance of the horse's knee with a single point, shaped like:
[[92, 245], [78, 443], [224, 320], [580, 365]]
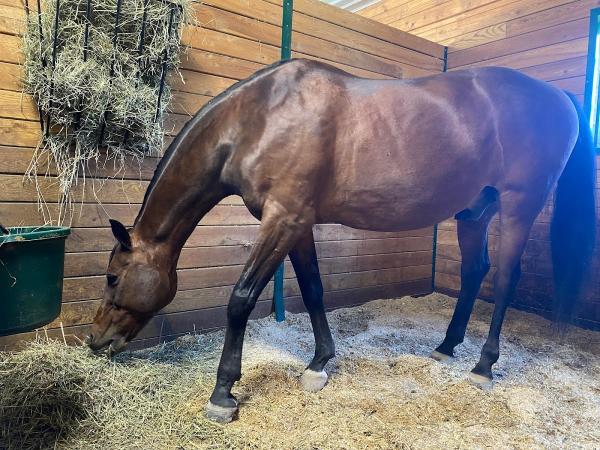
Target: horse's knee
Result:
[[240, 306]]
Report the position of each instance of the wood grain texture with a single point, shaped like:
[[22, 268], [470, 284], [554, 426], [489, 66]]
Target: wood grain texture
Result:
[[233, 39], [168, 325], [546, 39]]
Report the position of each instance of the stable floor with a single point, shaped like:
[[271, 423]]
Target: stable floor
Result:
[[384, 390]]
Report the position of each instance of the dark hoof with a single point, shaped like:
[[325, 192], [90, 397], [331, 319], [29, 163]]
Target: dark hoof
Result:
[[221, 414]]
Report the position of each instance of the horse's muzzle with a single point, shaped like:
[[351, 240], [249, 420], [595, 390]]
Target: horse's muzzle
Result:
[[112, 345]]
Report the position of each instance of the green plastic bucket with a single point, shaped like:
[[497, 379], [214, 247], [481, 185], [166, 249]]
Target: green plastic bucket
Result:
[[31, 277]]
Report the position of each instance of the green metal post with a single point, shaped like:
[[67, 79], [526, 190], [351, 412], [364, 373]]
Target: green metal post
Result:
[[286, 29], [278, 304], [435, 227], [286, 53]]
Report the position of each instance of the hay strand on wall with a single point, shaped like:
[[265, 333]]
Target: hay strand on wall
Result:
[[97, 70]]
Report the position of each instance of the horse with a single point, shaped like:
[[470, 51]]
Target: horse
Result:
[[304, 143]]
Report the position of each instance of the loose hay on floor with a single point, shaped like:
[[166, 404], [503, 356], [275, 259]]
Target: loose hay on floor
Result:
[[384, 391]]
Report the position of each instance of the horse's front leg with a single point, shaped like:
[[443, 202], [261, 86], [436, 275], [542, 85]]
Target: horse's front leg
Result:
[[304, 260], [279, 231]]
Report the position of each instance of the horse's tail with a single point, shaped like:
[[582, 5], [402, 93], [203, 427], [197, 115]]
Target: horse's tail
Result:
[[573, 226]]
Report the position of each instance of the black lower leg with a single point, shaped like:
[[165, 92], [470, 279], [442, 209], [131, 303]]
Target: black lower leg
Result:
[[324, 346], [304, 260], [475, 265], [276, 237], [230, 366], [456, 329], [491, 349]]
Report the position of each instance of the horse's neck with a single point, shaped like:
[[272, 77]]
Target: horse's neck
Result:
[[183, 190]]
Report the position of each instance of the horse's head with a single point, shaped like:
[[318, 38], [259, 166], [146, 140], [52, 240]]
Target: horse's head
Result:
[[138, 284]]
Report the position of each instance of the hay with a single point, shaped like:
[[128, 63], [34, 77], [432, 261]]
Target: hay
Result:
[[384, 391], [101, 86], [54, 394]]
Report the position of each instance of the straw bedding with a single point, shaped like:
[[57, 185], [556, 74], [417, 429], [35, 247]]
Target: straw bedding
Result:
[[384, 392]]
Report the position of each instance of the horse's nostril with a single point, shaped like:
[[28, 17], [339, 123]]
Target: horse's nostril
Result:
[[88, 339]]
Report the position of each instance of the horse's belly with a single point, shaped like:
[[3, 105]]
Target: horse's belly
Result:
[[403, 208]]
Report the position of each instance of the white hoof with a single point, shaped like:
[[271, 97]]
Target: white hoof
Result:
[[441, 357], [220, 414], [480, 381], [312, 381]]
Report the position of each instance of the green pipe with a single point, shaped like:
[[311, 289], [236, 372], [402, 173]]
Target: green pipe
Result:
[[278, 304], [286, 53], [286, 30], [435, 227]]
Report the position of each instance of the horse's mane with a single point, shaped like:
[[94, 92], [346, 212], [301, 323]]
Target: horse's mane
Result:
[[202, 112]]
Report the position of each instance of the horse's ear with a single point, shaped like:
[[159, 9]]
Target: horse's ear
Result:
[[121, 234]]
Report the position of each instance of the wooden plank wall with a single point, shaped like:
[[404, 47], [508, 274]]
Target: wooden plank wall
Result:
[[233, 39], [546, 39]]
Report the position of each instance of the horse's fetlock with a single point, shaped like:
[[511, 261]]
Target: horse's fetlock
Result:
[[491, 355], [326, 351]]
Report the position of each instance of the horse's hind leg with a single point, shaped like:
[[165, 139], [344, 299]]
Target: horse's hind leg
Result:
[[279, 231], [475, 264], [518, 211], [304, 259]]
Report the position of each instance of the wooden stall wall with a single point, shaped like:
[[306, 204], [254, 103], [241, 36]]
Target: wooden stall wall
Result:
[[233, 39], [546, 39]]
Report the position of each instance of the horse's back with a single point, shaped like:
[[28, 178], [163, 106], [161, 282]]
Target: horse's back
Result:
[[418, 151], [395, 154], [404, 147]]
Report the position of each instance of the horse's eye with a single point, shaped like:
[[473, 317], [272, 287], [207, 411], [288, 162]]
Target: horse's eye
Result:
[[111, 279]]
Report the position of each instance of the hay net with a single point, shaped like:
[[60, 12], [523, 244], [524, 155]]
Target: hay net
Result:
[[97, 70]]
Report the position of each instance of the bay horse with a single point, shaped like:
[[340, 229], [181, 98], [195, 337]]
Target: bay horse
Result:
[[304, 143]]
